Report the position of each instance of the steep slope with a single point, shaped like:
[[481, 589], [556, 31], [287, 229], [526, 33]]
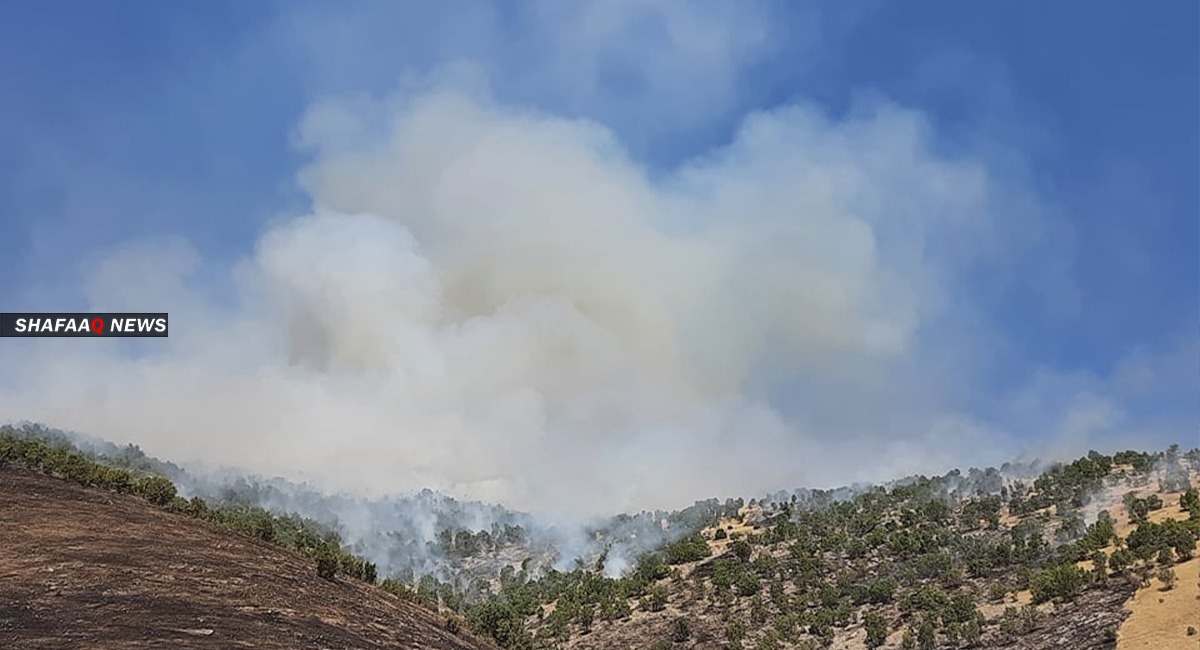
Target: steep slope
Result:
[[82, 567]]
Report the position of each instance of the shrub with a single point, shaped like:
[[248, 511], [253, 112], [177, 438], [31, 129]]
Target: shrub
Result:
[[656, 600], [690, 549], [155, 489], [650, 568], [741, 548], [876, 630], [1061, 582], [1121, 559], [972, 632], [735, 632], [881, 591], [1190, 502], [1167, 577], [680, 630], [926, 638], [327, 564], [997, 591]]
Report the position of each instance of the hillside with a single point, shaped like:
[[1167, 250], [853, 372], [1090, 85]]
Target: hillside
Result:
[[1098, 553], [456, 546], [1095, 553], [84, 567]]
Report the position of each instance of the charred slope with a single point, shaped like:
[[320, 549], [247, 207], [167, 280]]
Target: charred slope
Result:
[[88, 568]]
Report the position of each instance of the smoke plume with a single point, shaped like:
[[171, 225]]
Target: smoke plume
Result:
[[503, 305]]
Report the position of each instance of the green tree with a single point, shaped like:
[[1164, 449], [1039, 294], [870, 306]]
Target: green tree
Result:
[[1190, 502], [1099, 565], [1059, 582], [1121, 560]]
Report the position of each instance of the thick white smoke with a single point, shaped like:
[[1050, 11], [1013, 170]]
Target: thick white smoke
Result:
[[503, 306]]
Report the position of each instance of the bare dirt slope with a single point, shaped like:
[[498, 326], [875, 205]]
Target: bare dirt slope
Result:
[[82, 568], [1159, 619]]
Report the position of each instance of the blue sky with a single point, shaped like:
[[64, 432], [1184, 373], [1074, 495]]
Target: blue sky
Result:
[[141, 120], [176, 119]]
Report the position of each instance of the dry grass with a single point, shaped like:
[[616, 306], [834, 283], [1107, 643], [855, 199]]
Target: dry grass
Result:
[[1159, 619]]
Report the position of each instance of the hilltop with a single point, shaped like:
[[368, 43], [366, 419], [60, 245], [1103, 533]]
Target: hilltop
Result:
[[85, 567]]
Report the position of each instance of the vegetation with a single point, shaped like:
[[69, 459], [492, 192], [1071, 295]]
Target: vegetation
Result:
[[60, 458], [1059, 582], [916, 558], [691, 549]]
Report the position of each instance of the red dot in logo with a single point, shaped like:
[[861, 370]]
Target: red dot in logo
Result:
[[98, 326]]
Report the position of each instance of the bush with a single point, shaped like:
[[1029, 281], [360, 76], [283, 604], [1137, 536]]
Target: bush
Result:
[[741, 548], [876, 630], [972, 632], [997, 591], [650, 567], [1168, 578], [1190, 502], [735, 632], [881, 592], [691, 549], [656, 600], [1061, 582], [926, 638], [327, 564], [155, 489], [1121, 559], [680, 630]]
